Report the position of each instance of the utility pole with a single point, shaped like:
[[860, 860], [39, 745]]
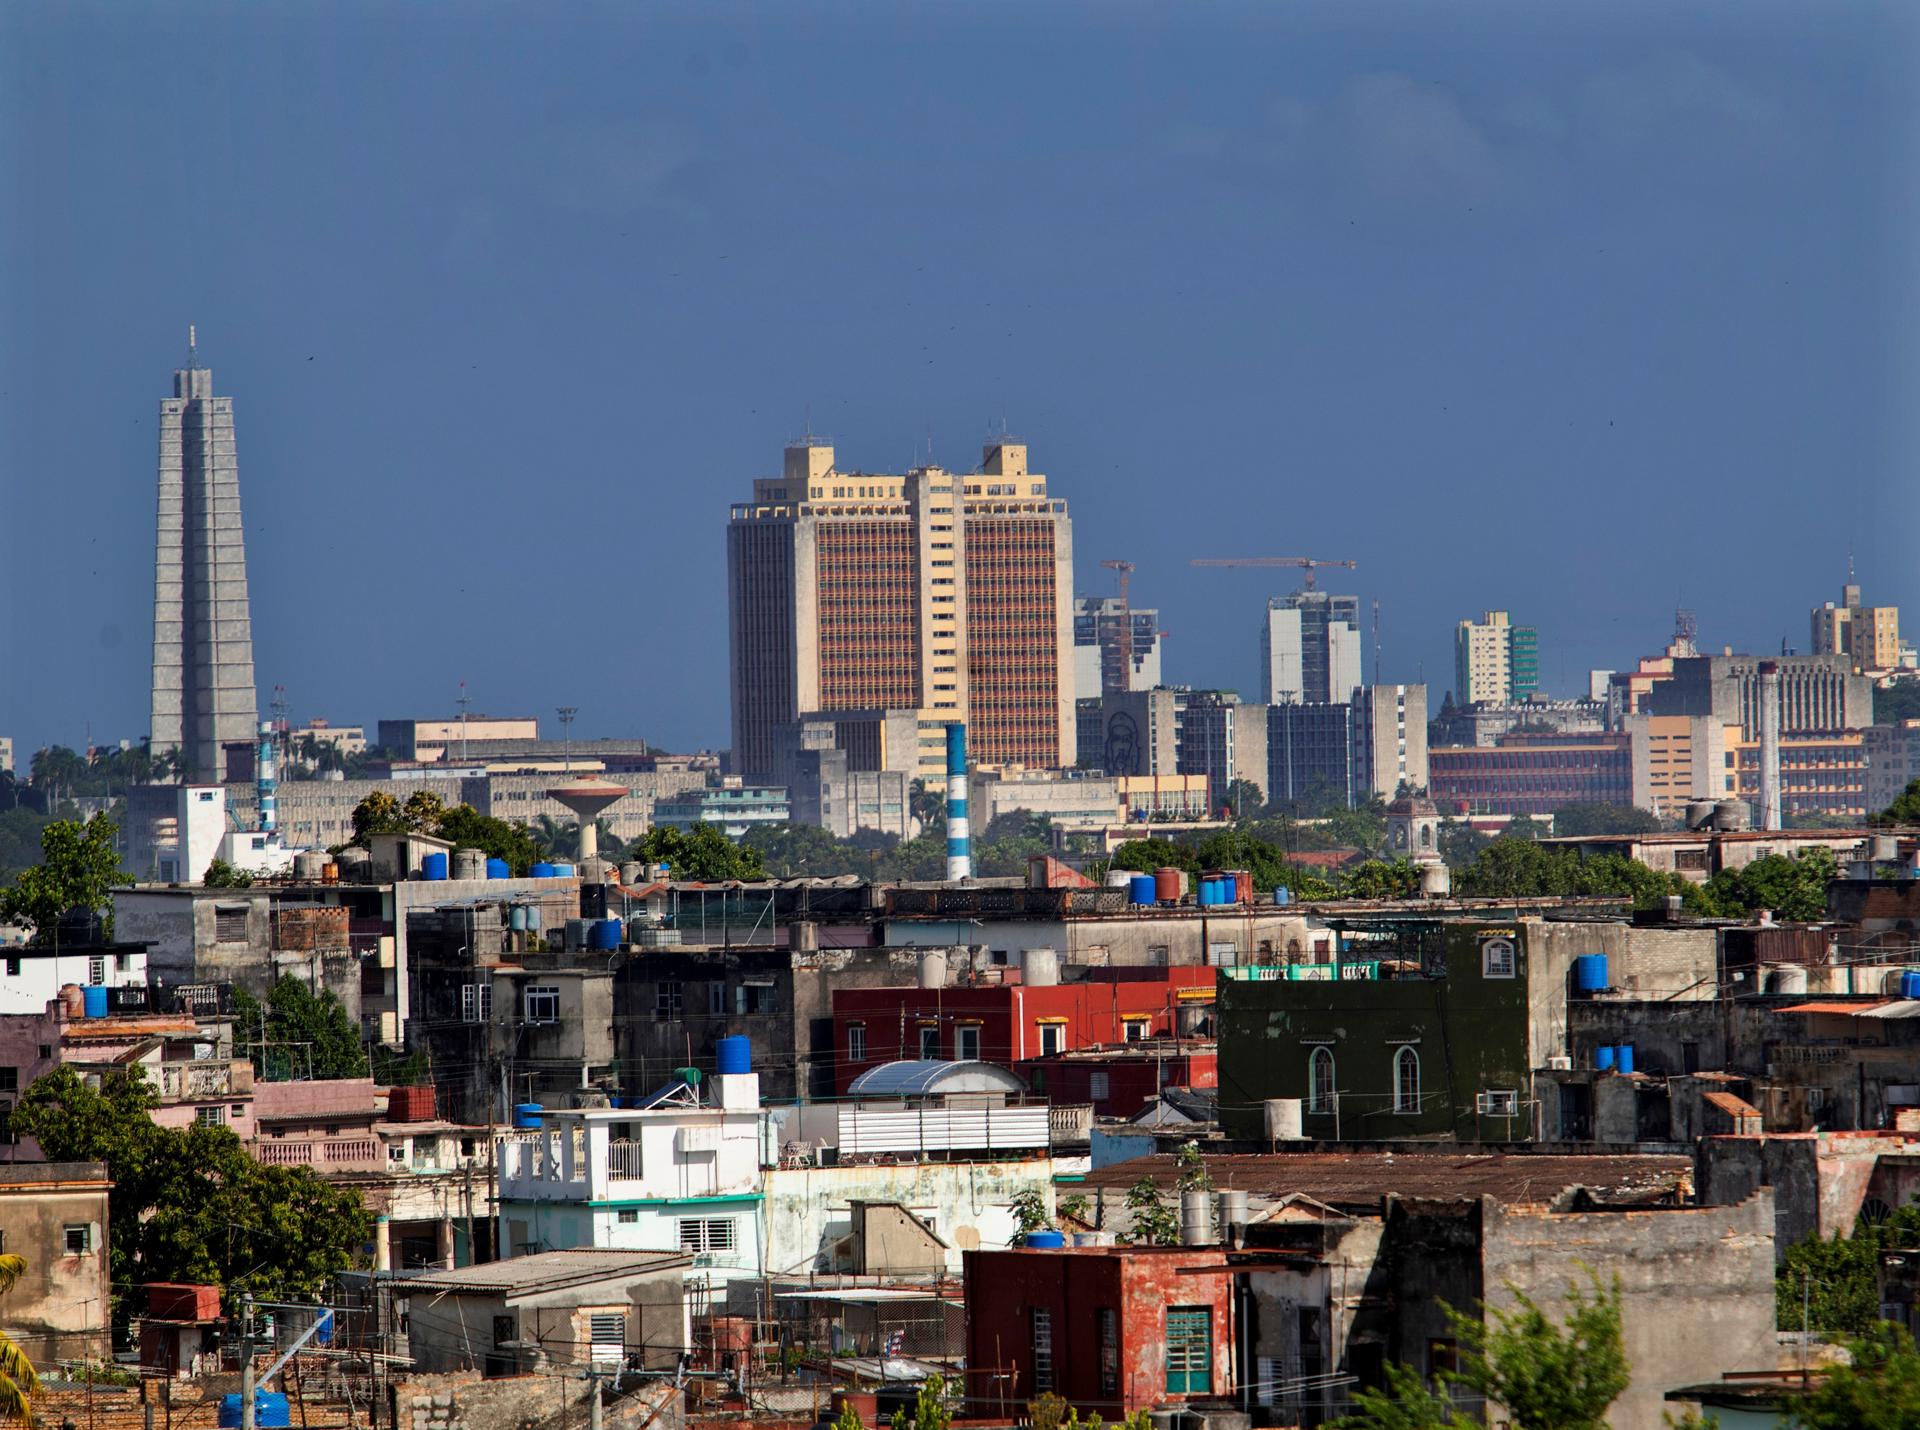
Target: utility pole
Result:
[[246, 1363], [566, 714]]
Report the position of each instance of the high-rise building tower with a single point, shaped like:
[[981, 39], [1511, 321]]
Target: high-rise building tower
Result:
[[944, 593], [1115, 647], [1495, 661], [1310, 649], [203, 691], [1870, 634]]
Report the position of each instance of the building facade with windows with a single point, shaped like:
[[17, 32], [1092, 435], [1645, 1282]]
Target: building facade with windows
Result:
[[1495, 661], [1310, 649], [55, 1215], [1008, 1023], [1533, 774], [680, 1173], [946, 593], [1110, 1329], [1114, 647]]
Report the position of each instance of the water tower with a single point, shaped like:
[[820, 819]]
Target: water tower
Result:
[[587, 798]]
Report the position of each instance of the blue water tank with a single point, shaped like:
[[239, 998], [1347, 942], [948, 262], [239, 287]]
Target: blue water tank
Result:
[[1283, 895], [604, 935], [1140, 889], [563, 871], [1623, 1057], [434, 866], [1603, 1058], [93, 1001], [517, 918], [1040, 1240], [735, 1054], [542, 870], [499, 869], [527, 1114], [323, 1333], [1590, 972], [1909, 984], [269, 1410], [1209, 892]]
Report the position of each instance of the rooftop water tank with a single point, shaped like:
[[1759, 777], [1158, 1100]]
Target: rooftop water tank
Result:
[[1044, 1240], [603, 935], [93, 1000], [469, 864], [733, 1055], [1590, 973], [1166, 884], [517, 918], [1909, 988], [1140, 889], [1040, 967], [1119, 878], [1603, 1057], [1283, 1119], [1623, 1058], [434, 866], [527, 1114], [269, 1411], [933, 968], [499, 869], [542, 870], [1282, 896]]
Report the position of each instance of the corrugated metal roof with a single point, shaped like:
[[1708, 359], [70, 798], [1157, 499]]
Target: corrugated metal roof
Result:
[[914, 1078], [1361, 1179], [1899, 1008], [542, 1270]]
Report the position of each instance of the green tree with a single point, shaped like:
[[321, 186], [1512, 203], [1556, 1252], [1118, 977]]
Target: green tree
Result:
[[298, 1033], [1548, 1375], [189, 1204], [18, 1381], [849, 1418], [222, 875], [1153, 1222], [466, 828], [77, 870], [1830, 1283], [1587, 820], [702, 854], [1244, 800], [793, 851], [1194, 1176], [1029, 1207], [1879, 1390], [1905, 808], [1896, 702], [378, 813], [1793, 886], [1380, 879]]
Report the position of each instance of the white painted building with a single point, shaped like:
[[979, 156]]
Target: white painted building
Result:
[[680, 1175], [34, 975]]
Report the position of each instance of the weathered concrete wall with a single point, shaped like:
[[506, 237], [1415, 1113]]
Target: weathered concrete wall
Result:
[[1696, 1287], [58, 1309], [1818, 1181], [968, 1205], [465, 1401], [1668, 964]]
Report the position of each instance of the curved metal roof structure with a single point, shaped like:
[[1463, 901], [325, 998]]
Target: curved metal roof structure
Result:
[[913, 1078]]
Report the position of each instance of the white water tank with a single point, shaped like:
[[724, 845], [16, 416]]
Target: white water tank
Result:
[[933, 968], [1232, 1210], [1283, 1119], [1040, 967], [1787, 978], [1196, 1219]]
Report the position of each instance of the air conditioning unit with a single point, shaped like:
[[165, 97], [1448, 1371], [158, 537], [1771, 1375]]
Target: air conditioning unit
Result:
[[1560, 1064]]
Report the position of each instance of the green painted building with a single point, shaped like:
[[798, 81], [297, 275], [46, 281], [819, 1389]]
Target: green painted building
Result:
[[1426, 1028]]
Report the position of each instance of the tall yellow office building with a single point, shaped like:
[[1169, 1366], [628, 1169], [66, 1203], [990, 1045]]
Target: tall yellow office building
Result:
[[946, 593]]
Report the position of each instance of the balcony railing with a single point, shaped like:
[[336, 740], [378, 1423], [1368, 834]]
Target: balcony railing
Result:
[[199, 1081], [328, 1154], [1071, 1122], [623, 1159]]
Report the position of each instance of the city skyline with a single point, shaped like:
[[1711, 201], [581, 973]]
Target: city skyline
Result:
[[1462, 283]]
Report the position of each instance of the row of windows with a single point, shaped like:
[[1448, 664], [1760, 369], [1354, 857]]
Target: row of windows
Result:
[[1323, 1091]]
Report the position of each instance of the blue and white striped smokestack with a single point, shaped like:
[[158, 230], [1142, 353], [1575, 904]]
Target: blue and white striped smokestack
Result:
[[959, 840], [263, 774]]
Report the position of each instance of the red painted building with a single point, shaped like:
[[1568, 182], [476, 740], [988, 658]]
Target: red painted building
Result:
[[1112, 1329], [1120, 1080], [1007, 1023]]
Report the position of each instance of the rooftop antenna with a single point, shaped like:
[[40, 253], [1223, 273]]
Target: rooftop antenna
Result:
[[193, 346], [566, 714], [1376, 640], [463, 702]]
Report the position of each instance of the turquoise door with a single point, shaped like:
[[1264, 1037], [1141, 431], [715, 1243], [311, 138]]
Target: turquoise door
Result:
[[1189, 1350]]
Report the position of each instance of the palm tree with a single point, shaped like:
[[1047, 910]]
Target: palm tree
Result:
[[18, 1382]]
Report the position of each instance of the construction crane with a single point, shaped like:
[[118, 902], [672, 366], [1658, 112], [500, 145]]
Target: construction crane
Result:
[[1309, 564], [1126, 570]]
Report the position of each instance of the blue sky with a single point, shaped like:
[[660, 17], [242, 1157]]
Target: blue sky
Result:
[[1579, 311]]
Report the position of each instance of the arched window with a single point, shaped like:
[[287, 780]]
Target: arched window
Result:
[[1406, 1081], [1320, 1080]]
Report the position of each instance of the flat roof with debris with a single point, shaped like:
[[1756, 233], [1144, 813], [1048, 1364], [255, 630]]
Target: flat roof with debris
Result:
[[541, 1271], [1360, 1179]]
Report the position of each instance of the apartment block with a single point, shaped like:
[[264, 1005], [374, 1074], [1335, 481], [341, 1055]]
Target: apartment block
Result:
[[1534, 774], [1893, 761], [1115, 647], [1823, 774], [1819, 694], [1494, 660], [946, 593], [1680, 758], [1225, 741], [1310, 648], [1135, 733], [1870, 635]]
